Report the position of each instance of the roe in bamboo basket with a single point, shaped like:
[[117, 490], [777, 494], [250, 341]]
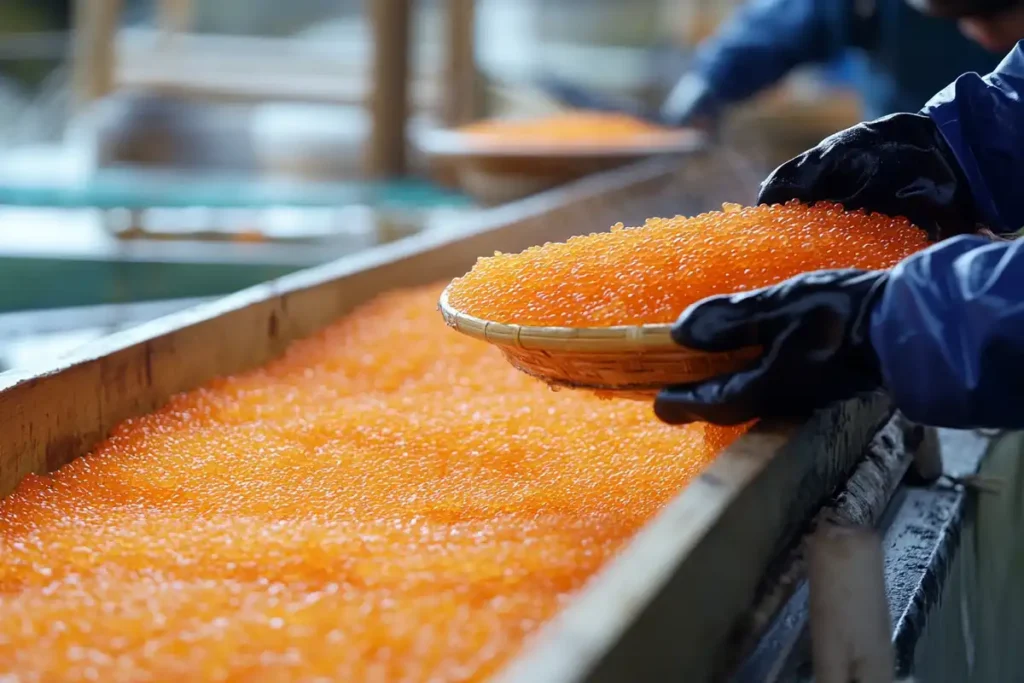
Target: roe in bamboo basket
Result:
[[651, 274], [390, 500]]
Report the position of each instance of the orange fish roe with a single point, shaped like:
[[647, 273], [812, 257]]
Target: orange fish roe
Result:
[[388, 501], [632, 276], [574, 126]]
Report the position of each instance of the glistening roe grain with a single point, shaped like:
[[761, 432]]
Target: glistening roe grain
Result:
[[388, 501], [650, 274]]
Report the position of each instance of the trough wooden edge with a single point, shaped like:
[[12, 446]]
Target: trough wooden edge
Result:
[[667, 607]]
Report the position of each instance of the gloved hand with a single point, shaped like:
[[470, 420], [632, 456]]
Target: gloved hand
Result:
[[582, 98], [814, 329], [692, 102], [899, 165]]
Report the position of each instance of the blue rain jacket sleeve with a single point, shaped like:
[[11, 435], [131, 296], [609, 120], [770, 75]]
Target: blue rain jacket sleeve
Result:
[[765, 39], [982, 119], [949, 332]]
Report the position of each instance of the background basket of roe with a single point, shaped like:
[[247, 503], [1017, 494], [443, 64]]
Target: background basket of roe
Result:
[[650, 612], [496, 164]]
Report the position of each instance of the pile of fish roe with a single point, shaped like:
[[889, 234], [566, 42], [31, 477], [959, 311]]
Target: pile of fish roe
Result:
[[577, 127], [390, 500], [650, 274]]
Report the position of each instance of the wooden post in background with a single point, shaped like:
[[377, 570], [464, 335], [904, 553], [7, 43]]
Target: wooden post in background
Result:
[[95, 33], [389, 98], [851, 632], [460, 91]]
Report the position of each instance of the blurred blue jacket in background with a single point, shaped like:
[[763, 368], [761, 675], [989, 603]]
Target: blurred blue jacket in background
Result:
[[907, 56]]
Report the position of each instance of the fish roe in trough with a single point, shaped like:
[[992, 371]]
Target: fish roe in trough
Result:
[[650, 274], [389, 501]]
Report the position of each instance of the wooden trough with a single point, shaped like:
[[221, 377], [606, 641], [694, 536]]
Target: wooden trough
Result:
[[669, 607]]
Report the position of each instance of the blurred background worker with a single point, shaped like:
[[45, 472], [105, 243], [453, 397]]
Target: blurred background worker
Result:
[[943, 332], [908, 53], [894, 54]]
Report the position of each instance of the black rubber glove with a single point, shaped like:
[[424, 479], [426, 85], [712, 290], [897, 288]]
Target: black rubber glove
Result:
[[899, 165], [814, 329]]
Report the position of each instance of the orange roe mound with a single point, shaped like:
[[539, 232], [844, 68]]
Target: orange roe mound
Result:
[[390, 500], [650, 274], [573, 126]]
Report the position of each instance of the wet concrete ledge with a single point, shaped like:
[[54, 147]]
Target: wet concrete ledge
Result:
[[921, 528]]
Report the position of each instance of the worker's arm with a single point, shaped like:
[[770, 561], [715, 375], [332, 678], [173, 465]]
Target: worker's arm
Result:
[[982, 120], [943, 332], [762, 42], [949, 334]]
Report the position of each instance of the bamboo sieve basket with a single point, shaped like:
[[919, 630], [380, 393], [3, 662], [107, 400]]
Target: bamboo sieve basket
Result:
[[627, 361]]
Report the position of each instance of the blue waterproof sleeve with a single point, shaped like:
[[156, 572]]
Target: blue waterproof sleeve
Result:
[[764, 40], [949, 332], [982, 119]]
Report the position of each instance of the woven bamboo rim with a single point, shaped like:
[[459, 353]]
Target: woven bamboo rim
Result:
[[625, 361]]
